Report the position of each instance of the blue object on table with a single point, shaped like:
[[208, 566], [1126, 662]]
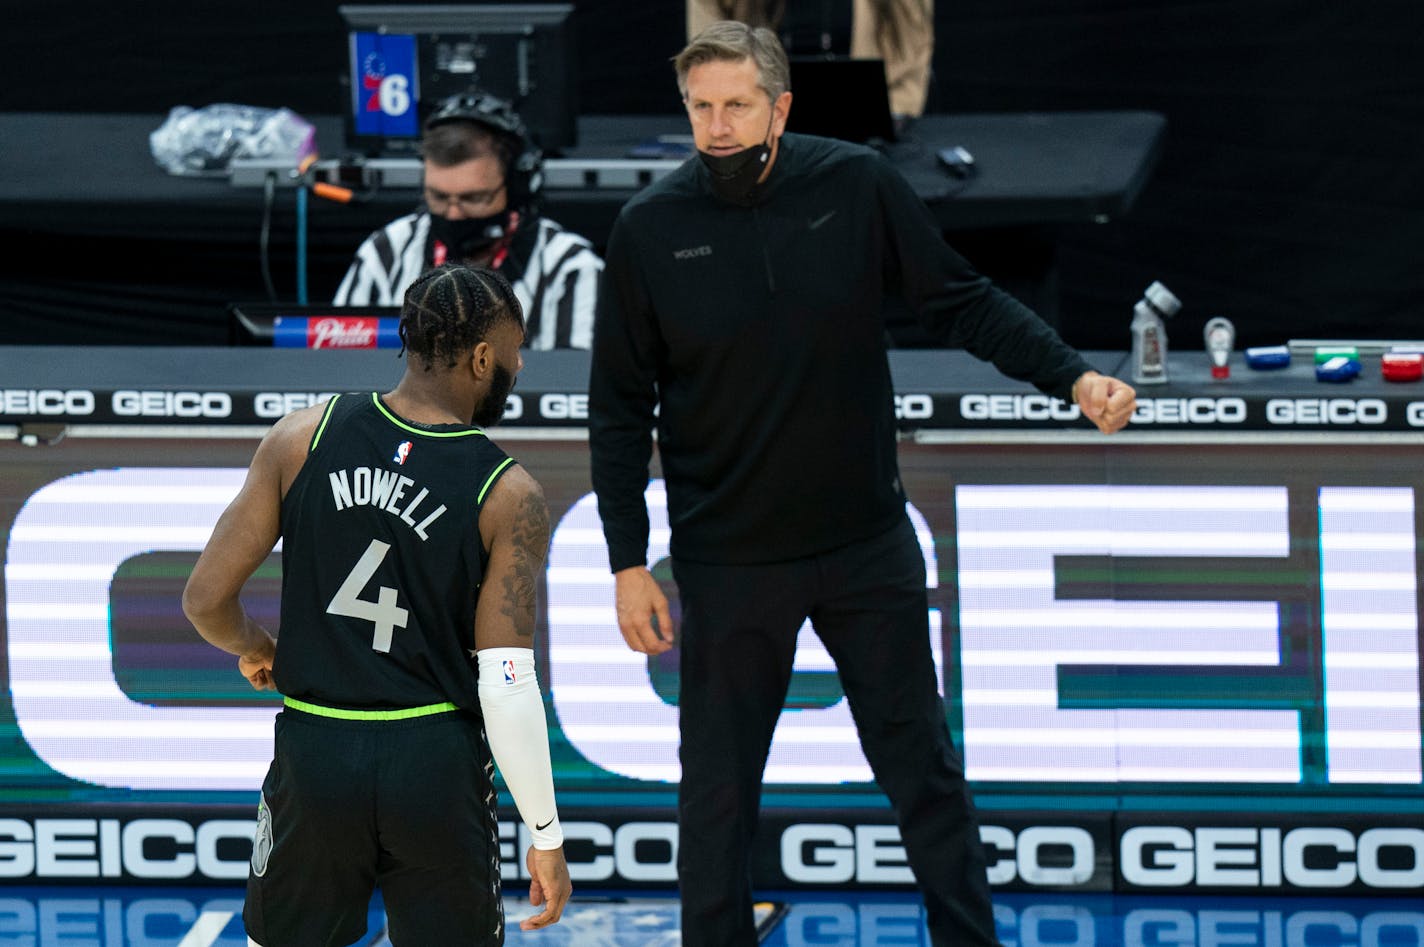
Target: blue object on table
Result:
[[1340, 368], [1268, 357], [335, 332]]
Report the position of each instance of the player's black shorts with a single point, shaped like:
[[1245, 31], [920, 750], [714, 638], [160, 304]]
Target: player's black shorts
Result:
[[351, 804]]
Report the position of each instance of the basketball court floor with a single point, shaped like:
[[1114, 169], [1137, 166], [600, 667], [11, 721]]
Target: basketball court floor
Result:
[[75, 916]]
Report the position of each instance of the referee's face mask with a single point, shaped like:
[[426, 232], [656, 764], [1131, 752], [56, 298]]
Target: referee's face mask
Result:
[[466, 237], [468, 204]]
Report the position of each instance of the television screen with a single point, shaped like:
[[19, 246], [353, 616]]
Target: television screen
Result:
[[841, 98], [402, 60]]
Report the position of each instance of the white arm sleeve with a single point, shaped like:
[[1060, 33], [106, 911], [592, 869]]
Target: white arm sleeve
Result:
[[519, 739]]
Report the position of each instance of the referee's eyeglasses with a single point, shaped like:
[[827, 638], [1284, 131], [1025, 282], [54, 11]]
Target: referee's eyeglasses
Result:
[[470, 203]]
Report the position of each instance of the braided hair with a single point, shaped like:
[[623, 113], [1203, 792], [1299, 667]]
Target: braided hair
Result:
[[452, 308]]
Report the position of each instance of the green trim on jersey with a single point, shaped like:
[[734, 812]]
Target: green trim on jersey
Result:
[[376, 400], [494, 475], [405, 713], [321, 428]]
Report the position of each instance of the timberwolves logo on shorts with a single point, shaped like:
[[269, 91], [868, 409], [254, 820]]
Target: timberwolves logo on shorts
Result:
[[262, 839]]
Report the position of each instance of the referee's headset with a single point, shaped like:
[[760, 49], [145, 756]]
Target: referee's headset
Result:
[[524, 177]]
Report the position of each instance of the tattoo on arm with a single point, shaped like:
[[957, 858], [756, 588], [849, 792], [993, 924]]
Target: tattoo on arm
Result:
[[529, 541]]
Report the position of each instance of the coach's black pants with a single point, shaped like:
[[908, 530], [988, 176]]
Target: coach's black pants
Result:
[[867, 603]]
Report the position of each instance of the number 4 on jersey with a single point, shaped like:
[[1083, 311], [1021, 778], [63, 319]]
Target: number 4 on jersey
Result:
[[384, 612]]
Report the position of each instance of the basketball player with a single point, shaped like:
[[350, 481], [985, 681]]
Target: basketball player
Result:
[[411, 550]]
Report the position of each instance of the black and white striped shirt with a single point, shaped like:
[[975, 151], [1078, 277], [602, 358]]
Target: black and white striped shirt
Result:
[[556, 279]]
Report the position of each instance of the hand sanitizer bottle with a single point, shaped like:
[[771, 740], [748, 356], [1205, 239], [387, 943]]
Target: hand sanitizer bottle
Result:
[[1149, 334]]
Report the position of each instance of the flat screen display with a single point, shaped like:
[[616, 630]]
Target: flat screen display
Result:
[[1227, 628], [402, 60]]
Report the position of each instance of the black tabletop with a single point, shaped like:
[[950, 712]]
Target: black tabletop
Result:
[[1030, 168]]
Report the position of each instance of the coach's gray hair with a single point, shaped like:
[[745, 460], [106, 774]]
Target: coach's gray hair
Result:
[[730, 41]]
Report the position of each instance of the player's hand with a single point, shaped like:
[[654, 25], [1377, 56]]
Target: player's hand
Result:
[[1106, 401], [549, 885], [640, 603], [256, 665]]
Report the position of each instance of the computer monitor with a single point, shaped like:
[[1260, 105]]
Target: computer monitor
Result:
[[402, 60], [840, 98]]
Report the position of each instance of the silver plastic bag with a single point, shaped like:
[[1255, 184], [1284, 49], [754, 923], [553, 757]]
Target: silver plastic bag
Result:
[[203, 142]]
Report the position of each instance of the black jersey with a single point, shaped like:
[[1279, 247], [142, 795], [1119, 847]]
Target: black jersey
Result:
[[752, 338], [382, 561]]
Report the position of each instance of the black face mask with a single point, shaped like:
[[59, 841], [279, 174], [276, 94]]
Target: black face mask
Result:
[[735, 176], [467, 237]]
